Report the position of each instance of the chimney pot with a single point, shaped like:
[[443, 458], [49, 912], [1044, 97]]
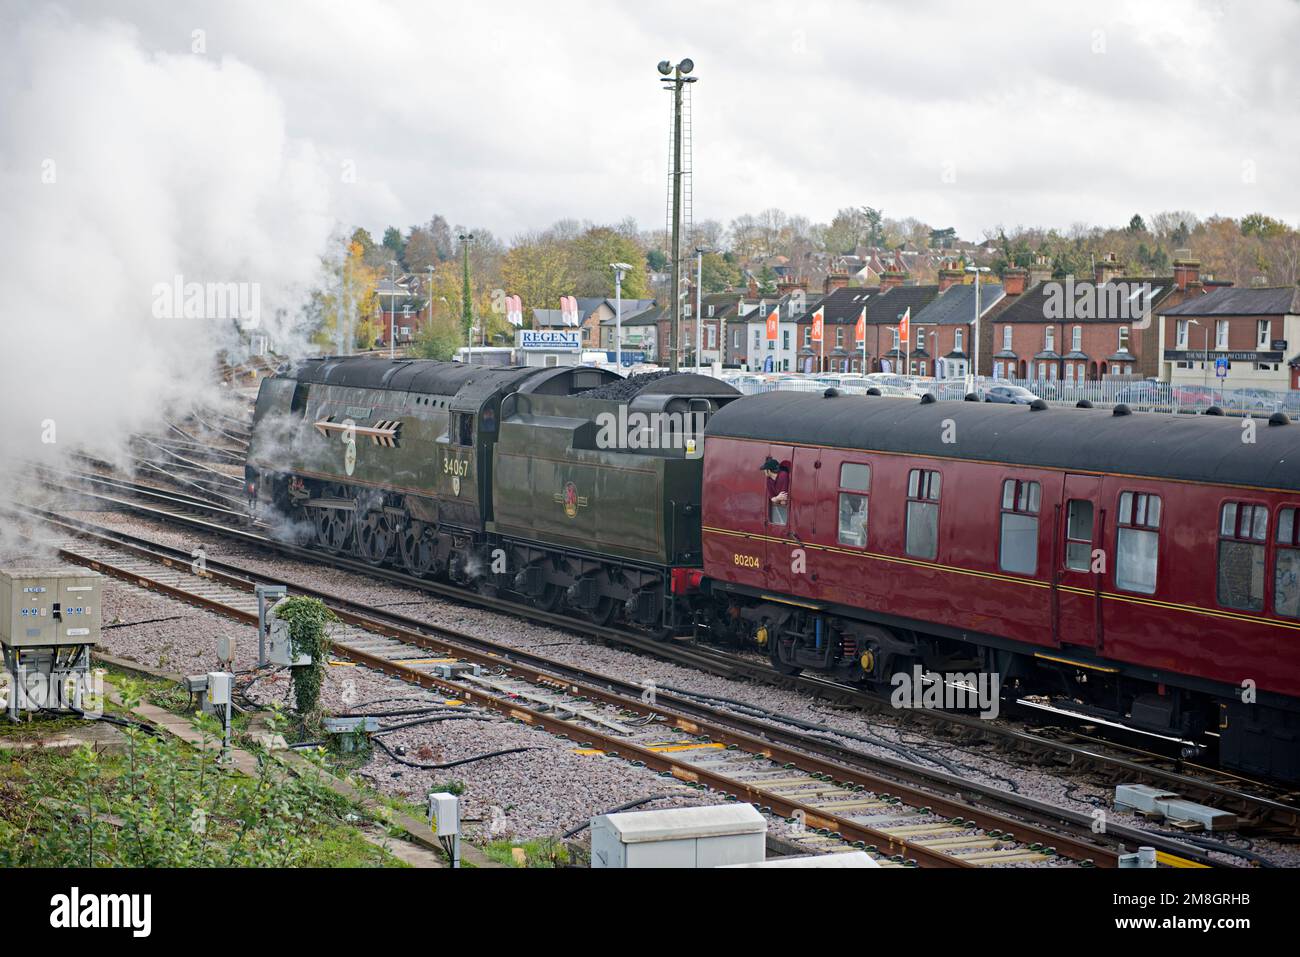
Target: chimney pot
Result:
[[1014, 279]]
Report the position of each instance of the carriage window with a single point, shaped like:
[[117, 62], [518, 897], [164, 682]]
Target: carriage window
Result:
[[1138, 542], [1078, 535], [923, 513], [854, 479], [1243, 530], [1286, 574], [1019, 551]]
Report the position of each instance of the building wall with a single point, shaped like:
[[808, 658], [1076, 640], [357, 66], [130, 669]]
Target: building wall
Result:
[[1250, 365]]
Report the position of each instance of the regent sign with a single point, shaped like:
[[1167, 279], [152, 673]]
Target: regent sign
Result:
[[550, 340]]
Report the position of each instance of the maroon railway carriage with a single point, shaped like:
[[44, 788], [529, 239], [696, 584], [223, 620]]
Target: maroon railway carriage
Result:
[[1142, 566]]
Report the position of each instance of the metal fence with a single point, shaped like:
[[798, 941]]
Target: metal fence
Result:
[[1142, 395]]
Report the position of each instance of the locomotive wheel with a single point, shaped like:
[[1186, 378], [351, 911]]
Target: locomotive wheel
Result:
[[418, 548], [376, 536], [333, 525]]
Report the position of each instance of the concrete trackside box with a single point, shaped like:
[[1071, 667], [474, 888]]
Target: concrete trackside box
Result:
[[47, 605], [710, 836]]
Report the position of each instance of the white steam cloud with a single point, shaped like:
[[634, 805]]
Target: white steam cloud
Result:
[[121, 169]]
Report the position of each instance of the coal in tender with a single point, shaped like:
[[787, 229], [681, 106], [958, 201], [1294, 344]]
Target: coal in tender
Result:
[[623, 389]]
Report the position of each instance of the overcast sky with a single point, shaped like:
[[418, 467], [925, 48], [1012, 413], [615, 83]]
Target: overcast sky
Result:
[[511, 114]]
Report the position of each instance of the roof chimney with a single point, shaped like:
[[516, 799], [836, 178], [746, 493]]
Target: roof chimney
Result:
[[1187, 272], [835, 280], [1013, 280], [891, 278], [1108, 268], [786, 286], [951, 277], [1040, 271]]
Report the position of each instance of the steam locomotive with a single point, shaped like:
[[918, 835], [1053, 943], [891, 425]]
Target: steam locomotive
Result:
[[1144, 568]]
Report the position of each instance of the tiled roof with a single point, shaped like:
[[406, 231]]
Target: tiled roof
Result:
[[1232, 301], [1033, 306], [956, 305]]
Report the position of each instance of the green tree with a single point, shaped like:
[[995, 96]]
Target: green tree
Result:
[[719, 272], [439, 339], [395, 244], [590, 256]]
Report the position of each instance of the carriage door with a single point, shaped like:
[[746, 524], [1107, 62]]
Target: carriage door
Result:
[[777, 525], [1076, 589]]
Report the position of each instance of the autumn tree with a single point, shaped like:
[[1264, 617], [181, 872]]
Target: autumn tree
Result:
[[538, 270], [591, 255]]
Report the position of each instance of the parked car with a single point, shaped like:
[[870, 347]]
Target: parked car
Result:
[[1255, 400], [1148, 393], [1012, 394], [1193, 397]]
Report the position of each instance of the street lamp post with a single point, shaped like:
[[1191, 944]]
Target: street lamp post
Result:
[[620, 270], [392, 310], [429, 292], [699, 307], [676, 76], [466, 296], [972, 377]]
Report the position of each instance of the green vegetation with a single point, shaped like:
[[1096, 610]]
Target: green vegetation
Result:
[[163, 803], [308, 618], [542, 852]]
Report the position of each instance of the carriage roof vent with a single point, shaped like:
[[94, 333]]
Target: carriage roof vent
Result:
[[1038, 405], [1279, 418], [1121, 409], [1213, 410], [971, 397], [1083, 404], [831, 393], [873, 391], [928, 399]]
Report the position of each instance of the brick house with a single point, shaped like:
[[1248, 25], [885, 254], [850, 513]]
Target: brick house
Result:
[[1074, 331], [946, 325], [1252, 328]]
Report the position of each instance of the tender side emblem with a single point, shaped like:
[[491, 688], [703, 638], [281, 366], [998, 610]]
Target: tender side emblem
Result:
[[570, 499]]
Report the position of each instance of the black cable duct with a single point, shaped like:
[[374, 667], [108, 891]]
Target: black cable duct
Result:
[[449, 764], [622, 807]]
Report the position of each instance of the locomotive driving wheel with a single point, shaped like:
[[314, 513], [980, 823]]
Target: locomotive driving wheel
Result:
[[418, 546], [333, 525], [376, 535]]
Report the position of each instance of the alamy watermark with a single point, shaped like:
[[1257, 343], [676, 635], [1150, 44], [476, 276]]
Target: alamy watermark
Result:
[[238, 301], [651, 430], [1116, 301], [951, 691]]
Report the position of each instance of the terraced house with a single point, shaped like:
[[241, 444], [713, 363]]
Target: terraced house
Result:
[[1074, 331]]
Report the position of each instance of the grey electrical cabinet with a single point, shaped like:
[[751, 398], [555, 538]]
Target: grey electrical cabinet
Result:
[[712, 836], [49, 605]]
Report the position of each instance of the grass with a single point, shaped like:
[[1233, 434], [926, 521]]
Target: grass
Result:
[[539, 852], [331, 840]]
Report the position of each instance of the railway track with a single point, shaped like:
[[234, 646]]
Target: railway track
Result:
[[830, 778], [1262, 809]]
